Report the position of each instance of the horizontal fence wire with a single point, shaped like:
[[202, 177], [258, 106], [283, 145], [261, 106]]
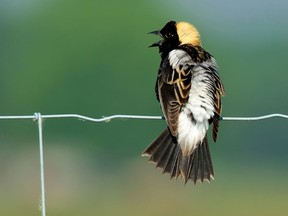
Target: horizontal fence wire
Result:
[[109, 118], [39, 117]]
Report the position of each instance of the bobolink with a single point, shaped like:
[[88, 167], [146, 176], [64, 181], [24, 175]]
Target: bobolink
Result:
[[189, 90]]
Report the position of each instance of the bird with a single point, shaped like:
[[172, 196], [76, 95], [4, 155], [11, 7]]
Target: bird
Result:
[[189, 89]]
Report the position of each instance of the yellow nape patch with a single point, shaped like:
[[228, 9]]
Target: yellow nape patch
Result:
[[188, 34]]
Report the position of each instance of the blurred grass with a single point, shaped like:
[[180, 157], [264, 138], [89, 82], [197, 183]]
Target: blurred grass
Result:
[[76, 186], [92, 58]]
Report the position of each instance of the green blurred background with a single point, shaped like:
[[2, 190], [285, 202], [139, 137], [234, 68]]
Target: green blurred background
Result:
[[91, 58]]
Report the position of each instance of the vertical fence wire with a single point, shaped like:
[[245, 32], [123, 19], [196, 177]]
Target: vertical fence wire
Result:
[[38, 117]]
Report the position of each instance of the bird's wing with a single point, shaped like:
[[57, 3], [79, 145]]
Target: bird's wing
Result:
[[173, 86], [217, 89]]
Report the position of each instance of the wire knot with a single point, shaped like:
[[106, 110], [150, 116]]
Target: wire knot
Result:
[[37, 116]]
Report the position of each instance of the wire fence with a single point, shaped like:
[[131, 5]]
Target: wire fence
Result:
[[39, 118]]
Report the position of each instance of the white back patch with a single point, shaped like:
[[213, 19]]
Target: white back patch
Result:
[[178, 57], [194, 116]]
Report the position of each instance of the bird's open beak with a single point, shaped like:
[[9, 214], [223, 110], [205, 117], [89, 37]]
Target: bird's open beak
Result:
[[158, 42], [155, 32]]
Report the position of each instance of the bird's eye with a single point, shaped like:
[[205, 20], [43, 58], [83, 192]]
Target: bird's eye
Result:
[[169, 35]]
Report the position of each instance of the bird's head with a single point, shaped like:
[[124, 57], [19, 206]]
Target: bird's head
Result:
[[175, 34]]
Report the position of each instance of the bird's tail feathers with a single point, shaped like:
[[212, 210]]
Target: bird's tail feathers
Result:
[[165, 152]]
